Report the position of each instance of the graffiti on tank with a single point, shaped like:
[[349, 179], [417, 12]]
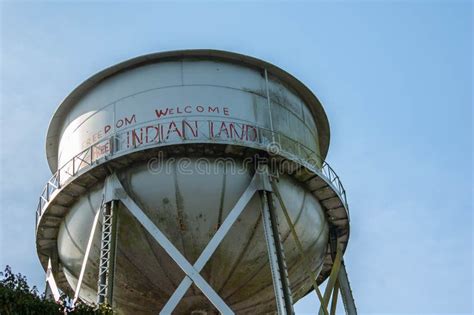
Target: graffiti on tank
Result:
[[171, 124], [199, 109], [176, 130]]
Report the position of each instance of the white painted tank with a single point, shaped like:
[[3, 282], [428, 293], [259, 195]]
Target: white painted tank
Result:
[[164, 123]]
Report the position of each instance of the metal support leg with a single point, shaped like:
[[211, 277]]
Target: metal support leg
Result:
[[331, 281], [105, 284], [280, 254], [306, 265], [276, 256], [346, 292], [342, 278], [334, 299]]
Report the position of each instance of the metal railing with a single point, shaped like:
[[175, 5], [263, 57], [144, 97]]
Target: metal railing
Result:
[[136, 138]]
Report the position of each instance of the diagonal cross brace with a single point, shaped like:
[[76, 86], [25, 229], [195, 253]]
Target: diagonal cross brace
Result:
[[51, 283], [332, 280], [213, 244], [86, 256], [174, 253]]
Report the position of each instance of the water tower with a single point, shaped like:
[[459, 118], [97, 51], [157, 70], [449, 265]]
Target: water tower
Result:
[[195, 182]]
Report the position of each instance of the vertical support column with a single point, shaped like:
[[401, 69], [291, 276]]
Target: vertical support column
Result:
[[276, 256], [105, 284], [280, 255], [113, 249]]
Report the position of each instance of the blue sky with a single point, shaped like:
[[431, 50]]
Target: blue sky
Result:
[[394, 77]]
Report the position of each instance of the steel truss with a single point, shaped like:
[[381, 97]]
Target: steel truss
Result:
[[52, 291], [107, 254], [261, 183]]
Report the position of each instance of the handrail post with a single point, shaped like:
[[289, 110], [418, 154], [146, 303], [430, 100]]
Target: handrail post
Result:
[[112, 145], [73, 166], [58, 176]]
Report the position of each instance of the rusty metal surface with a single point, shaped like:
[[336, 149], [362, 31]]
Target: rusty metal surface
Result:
[[49, 223], [203, 104], [239, 269], [176, 69]]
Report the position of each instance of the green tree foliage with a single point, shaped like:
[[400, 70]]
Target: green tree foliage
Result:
[[17, 298]]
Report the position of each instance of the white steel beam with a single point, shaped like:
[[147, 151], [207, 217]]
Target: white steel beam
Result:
[[213, 244], [86, 256], [51, 285], [273, 257]]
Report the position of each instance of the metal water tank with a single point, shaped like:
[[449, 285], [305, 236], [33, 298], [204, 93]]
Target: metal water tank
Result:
[[182, 131]]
